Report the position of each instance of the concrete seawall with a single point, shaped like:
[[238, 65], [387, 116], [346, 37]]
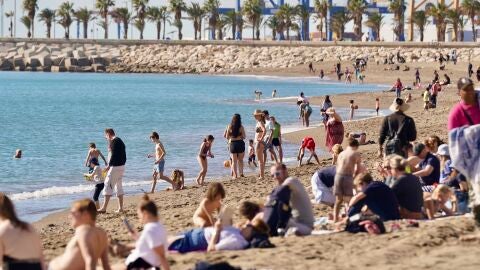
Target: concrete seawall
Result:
[[154, 56]]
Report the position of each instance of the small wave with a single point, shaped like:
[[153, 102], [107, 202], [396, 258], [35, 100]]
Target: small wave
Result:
[[66, 190]]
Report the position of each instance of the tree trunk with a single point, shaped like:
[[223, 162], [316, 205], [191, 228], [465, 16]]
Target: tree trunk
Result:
[[288, 33], [200, 30], [253, 31], [11, 28], [48, 30], [179, 33], [164, 24], [105, 35], [159, 29], [421, 35], [125, 30], [33, 25], [85, 30], [274, 34], [234, 30], [326, 29], [472, 19]]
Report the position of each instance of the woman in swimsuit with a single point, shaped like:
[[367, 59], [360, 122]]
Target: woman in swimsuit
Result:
[[210, 206], [235, 134], [20, 244], [205, 151], [259, 143]]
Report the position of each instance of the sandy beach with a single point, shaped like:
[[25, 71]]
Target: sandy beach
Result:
[[435, 244]]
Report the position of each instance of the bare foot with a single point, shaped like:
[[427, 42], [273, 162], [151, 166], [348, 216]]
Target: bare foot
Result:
[[119, 211]]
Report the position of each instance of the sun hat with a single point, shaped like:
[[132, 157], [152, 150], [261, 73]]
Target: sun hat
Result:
[[418, 148], [464, 82], [399, 105], [443, 150], [257, 112]]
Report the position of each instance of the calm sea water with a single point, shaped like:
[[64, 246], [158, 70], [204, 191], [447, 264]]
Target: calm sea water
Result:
[[53, 117]]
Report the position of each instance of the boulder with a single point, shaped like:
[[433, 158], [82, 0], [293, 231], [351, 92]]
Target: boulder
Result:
[[98, 68], [69, 61], [98, 60], [58, 61], [19, 62], [73, 68], [58, 69], [32, 62], [78, 54], [6, 65], [83, 62]]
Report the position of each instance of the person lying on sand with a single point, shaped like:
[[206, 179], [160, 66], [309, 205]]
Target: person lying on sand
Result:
[[309, 144], [88, 245], [150, 249], [361, 137], [209, 206], [436, 200]]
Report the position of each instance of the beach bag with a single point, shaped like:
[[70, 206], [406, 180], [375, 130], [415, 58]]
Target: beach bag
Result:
[[277, 211], [360, 223], [394, 145]]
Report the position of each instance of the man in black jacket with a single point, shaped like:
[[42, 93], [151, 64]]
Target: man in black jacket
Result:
[[397, 130], [115, 170]]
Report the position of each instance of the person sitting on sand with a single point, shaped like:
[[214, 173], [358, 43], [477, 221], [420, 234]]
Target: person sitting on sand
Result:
[[178, 179], [348, 166], [445, 81], [97, 177], [309, 144], [220, 237], [336, 150], [159, 163], [407, 188], [322, 185], [412, 159], [150, 249], [20, 245], [288, 208], [429, 168], [204, 216], [88, 245], [18, 154], [377, 196], [251, 153], [435, 201], [93, 152], [205, 152]]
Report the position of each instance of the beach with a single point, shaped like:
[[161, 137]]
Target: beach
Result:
[[435, 244]]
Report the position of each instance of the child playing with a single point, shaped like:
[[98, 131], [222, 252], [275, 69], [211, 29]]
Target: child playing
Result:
[[426, 100], [178, 179], [336, 150], [377, 105], [352, 109], [209, 206], [205, 152], [93, 152], [251, 153], [348, 166], [309, 144], [159, 163], [96, 176]]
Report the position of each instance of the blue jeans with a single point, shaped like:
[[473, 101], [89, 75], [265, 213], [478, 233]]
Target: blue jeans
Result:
[[462, 201], [193, 240]]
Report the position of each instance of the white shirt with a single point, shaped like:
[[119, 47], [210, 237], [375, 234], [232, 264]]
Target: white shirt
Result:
[[19, 244], [153, 235], [97, 175], [230, 238]]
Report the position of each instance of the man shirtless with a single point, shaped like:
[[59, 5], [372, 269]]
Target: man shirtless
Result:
[[348, 165], [88, 245], [159, 164]]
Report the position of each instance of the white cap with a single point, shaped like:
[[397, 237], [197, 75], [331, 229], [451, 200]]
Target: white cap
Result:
[[443, 150]]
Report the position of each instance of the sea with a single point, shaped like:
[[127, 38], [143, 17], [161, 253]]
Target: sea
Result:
[[53, 117]]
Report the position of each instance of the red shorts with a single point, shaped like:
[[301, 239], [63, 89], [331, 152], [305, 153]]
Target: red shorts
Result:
[[308, 143]]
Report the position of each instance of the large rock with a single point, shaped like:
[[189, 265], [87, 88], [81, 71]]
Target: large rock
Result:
[[69, 61], [58, 69], [6, 65], [98, 68], [78, 54], [98, 60], [32, 62], [44, 59], [83, 62], [19, 63]]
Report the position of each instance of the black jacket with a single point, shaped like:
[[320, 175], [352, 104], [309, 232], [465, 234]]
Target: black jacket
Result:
[[118, 155], [408, 132]]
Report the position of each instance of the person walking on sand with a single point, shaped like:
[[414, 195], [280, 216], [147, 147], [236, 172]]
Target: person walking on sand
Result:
[[397, 130], [269, 127], [310, 68], [89, 243], [306, 112], [377, 105], [348, 166], [159, 164], [115, 170], [398, 86], [334, 129], [260, 133], [205, 151], [235, 134], [417, 78]]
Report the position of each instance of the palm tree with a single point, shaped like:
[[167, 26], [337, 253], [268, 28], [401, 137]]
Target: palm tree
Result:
[[338, 22], [356, 9], [221, 26], [165, 15], [196, 13], [177, 6], [273, 24], [461, 24], [439, 14], [296, 28], [47, 16], [375, 21], [153, 15], [30, 6], [471, 8], [287, 14], [65, 12], [122, 15], [397, 7], [84, 16], [141, 8], [211, 8], [420, 19], [304, 17], [10, 15], [231, 21], [321, 8], [252, 10], [103, 6], [454, 17], [28, 24]]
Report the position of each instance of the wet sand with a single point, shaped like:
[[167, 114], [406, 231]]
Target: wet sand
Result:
[[433, 245]]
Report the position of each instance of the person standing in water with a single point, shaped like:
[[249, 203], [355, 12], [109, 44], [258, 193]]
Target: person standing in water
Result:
[[274, 93], [353, 107], [205, 151], [159, 164], [93, 152]]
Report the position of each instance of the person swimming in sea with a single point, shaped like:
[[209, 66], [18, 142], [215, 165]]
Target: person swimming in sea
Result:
[[18, 154]]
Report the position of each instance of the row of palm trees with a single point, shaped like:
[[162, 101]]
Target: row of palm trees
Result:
[[288, 18]]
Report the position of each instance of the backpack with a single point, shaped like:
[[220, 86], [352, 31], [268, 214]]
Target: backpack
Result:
[[356, 223], [394, 145]]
